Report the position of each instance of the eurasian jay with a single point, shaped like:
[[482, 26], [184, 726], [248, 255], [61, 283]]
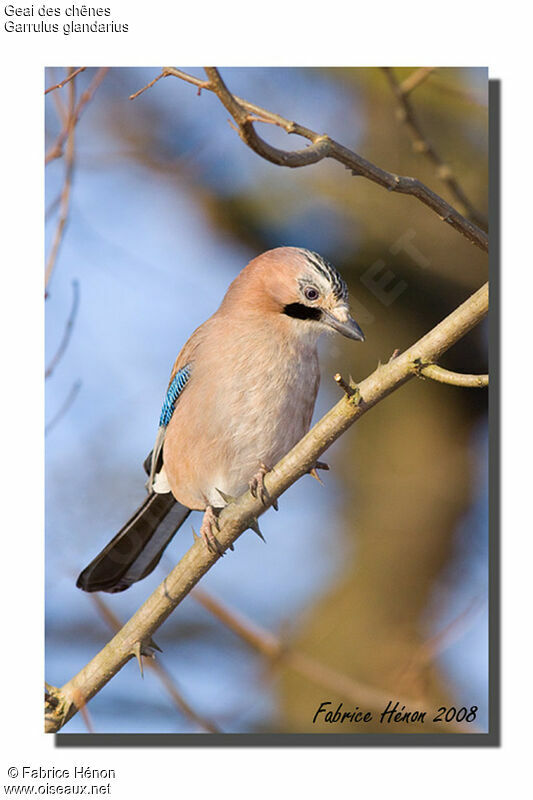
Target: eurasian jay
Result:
[[241, 395]]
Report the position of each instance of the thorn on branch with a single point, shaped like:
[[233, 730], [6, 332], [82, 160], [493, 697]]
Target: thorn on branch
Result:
[[254, 526], [136, 651], [395, 354], [227, 498], [147, 650], [166, 679], [194, 565], [314, 474], [81, 704], [314, 471]]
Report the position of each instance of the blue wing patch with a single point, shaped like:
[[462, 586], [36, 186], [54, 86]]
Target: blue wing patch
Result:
[[173, 392]]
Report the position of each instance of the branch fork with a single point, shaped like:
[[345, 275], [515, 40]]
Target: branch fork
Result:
[[322, 146]]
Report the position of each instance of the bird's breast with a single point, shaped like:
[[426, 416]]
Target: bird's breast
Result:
[[247, 405]]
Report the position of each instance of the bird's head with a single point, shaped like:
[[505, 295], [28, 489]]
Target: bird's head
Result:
[[298, 284]]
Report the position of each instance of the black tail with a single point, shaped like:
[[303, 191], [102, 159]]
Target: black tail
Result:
[[136, 549]]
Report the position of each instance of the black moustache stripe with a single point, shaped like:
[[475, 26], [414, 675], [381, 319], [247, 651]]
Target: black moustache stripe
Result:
[[301, 311]]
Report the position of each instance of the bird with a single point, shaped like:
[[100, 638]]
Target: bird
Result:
[[241, 394]]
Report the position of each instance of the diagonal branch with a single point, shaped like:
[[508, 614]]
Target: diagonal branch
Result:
[[69, 400], [205, 725], [421, 144], [322, 146], [64, 203], [67, 332], [277, 652], [69, 77], [56, 151], [136, 635], [415, 79]]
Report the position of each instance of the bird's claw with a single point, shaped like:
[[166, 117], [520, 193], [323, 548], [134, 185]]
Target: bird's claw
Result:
[[209, 522], [259, 490]]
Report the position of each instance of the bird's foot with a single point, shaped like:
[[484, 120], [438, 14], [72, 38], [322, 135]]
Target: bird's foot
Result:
[[209, 524], [319, 465], [258, 488]]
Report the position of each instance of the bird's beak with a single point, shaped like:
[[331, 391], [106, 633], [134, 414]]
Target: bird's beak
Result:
[[341, 321]]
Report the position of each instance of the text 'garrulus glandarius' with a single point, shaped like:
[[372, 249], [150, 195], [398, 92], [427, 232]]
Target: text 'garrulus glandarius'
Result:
[[241, 395]]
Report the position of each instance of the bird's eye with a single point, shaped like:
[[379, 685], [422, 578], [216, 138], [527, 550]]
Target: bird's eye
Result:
[[311, 293]]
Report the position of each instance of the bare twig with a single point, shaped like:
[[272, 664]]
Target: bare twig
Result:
[[322, 146], [52, 208], [66, 80], [277, 652], [64, 203], [67, 332], [76, 386], [241, 514], [346, 388], [68, 134], [148, 85], [56, 151], [476, 99], [442, 375], [417, 77], [61, 108], [156, 666], [453, 631], [421, 144], [411, 674]]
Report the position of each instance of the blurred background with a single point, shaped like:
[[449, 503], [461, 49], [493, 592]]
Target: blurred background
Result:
[[378, 580]]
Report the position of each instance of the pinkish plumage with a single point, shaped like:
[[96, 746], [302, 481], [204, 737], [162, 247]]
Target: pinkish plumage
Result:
[[249, 399]]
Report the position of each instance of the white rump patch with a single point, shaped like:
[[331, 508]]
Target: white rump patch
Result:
[[161, 484]]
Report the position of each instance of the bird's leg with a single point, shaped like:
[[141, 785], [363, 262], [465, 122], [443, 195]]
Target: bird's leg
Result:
[[209, 522], [227, 498], [254, 525], [319, 465], [258, 488]]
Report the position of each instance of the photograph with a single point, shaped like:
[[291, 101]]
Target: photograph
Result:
[[266, 404]]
